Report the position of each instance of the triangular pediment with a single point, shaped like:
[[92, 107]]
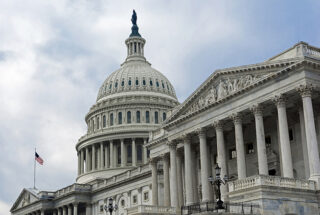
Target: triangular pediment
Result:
[[26, 197], [223, 84]]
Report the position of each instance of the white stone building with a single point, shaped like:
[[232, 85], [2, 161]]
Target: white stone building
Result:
[[260, 123]]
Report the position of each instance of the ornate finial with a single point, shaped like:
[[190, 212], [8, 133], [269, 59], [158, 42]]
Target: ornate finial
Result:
[[134, 28]]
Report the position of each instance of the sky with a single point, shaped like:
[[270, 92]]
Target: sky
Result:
[[54, 56]]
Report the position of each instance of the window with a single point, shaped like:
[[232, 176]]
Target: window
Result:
[[147, 117], [250, 149], [123, 203], [137, 82], [128, 117], [110, 86], [101, 208], [162, 84], [122, 83], [144, 82], [120, 118], [138, 116], [129, 82], [116, 85], [291, 134], [232, 153], [146, 196], [156, 117], [157, 83], [104, 121], [139, 152], [111, 119], [98, 119], [164, 116], [167, 86], [151, 82], [268, 142], [134, 199], [135, 47]]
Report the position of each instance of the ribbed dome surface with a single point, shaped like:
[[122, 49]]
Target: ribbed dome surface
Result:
[[135, 76]]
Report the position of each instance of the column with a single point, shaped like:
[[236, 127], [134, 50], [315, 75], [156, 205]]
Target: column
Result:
[[115, 155], [93, 163], [75, 208], [179, 178], [101, 156], [54, 212], [205, 184], [145, 151], [88, 209], [173, 174], [123, 154], [98, 157], [111, 155], [134, 153], [261, 144], [42, 212], [311, 135], [154, 170], [59, 211], [221, 155], [188, 170], [69, 209], [106, 157], [304, 143], [82, 161], [79, 163], [195, 176], [284, 137], [166, 178], [64, 210], [87, 159]]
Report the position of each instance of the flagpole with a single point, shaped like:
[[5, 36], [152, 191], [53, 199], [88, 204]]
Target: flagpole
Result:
[[34, 169]]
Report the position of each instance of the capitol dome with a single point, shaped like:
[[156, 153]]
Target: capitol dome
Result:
[[131, 102]]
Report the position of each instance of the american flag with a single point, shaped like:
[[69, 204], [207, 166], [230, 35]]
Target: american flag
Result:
[[38, 158]]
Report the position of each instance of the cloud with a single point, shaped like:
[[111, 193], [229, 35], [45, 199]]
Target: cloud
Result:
[[4, 208], [54, 55]]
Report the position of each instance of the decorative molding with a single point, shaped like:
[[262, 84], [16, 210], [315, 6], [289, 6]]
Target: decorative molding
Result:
[[305, 90], [257, 110], [236, 118], [279, 100]]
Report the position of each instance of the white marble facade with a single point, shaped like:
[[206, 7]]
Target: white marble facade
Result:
[[260, 123]]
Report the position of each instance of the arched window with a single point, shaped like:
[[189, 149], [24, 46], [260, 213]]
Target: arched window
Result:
[[147, 117], [157, 83], [129, 117], [98, 122], [162, 84], [92, 125], [137, 82], [129, 82], [151, 82], [111, 119], [164, 116], [122, 83], [116, 85], [156, 117], [110, 86], [138, 116], [120, 118], [144, 82], [104, 121]]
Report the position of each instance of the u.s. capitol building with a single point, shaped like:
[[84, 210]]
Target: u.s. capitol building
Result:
[[259, 123]]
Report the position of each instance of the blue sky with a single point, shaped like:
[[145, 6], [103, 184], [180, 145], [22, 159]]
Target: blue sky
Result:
[[54, 55]]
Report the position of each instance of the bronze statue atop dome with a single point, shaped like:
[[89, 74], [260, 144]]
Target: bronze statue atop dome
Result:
[[134, 28]]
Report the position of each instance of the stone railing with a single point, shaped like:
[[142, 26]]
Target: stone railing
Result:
[[73, 188], [150, 209], [312, 51], [276, 181], [121, 177]]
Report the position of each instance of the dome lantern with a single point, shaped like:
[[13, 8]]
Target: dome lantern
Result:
[[135, 43]]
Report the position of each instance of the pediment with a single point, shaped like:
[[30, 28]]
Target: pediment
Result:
[[26, 197], [223, 84]]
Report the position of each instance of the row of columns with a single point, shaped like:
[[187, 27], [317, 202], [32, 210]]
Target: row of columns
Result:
[[286, 158], [63, 210], [107, 156]]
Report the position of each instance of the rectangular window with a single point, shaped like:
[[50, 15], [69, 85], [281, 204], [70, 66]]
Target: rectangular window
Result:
[[120, 118], [135, 199], [156, 117], [268, 142], [138, 116], [101, 208], [147, 117], [111, 119], [250, 149], [98, 122], [146, 196], [232, 153]]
